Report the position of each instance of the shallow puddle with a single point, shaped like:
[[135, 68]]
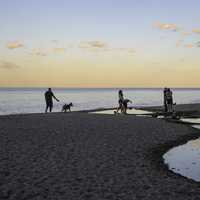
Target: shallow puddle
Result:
[[185, 159], [129, 111], [196, 126], [191, 120]]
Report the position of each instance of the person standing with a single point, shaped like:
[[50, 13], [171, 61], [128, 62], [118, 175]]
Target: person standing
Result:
[[49, 95], [169, 97], [165, 99], [120, 101]]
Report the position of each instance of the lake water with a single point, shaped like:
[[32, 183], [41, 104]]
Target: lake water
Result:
[[31, 100]]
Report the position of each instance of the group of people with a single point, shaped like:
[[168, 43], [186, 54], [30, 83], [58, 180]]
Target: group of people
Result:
[[49, 96], [123, 103], [168, 100]]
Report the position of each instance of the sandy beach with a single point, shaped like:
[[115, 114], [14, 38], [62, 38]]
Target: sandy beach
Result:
[[89, 156]]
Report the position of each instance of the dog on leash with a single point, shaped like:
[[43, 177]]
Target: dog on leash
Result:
[[67, 107]]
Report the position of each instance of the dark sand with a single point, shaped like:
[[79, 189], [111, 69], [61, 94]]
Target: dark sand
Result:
[[89, 156]]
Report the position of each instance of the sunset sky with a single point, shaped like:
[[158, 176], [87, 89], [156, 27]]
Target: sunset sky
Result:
[[99, 43]]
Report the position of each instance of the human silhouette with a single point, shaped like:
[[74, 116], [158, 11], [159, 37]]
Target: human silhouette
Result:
[[165, 99], [120, 101], [49, 95], [169, 97], [125, 105]]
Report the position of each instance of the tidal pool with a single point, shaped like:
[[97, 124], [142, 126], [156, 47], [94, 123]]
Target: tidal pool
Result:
[[129, 111], [185, 159], [191, 120]]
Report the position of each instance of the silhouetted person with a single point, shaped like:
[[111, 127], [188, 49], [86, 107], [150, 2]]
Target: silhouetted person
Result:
[[125, 105], [120, 101], [49, 95], [169, 97], [165, 99]]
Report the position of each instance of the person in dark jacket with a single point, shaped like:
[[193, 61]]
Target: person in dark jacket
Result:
[[49, 95], [165, 99]]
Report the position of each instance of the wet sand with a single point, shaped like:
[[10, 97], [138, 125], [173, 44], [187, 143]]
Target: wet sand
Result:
[[90, 156], [183, 109]]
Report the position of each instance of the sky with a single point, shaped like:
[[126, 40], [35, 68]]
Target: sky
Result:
[[92, 43]]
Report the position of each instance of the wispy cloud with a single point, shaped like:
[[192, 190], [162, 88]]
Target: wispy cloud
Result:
[[179, 43], [105, 47], [125, 50], [130, 50], [184, 33], [8, 65], [93, 44], [166, 26], [38, 52], [59, 50], [55, 41], [189, 46], [196, 31], [14, 45]]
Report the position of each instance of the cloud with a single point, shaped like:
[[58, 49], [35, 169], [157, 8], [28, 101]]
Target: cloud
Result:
[[196, 31], [59, 50], [97, 44], [165, 26], [8, 65], [130, 50], [93, 45], [185, 33], [55, 41], [38, 52], [189, 46], [179, 43], [14, 45], [125, 50], [100, 46]]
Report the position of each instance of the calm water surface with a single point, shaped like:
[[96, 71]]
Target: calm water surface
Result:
[[185, 159]]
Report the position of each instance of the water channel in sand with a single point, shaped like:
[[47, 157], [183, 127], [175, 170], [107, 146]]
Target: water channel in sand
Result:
[[185, 159]]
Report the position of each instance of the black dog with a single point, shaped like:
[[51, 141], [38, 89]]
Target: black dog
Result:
[[67, 107]]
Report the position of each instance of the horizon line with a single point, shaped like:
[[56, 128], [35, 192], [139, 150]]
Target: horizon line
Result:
[[43, 87]]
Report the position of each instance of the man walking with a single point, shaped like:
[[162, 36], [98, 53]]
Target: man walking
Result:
[[49, 95]]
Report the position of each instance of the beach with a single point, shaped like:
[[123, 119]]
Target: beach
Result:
[[80, 155]]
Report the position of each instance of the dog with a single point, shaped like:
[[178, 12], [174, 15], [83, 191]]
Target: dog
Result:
[[67, 107]]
